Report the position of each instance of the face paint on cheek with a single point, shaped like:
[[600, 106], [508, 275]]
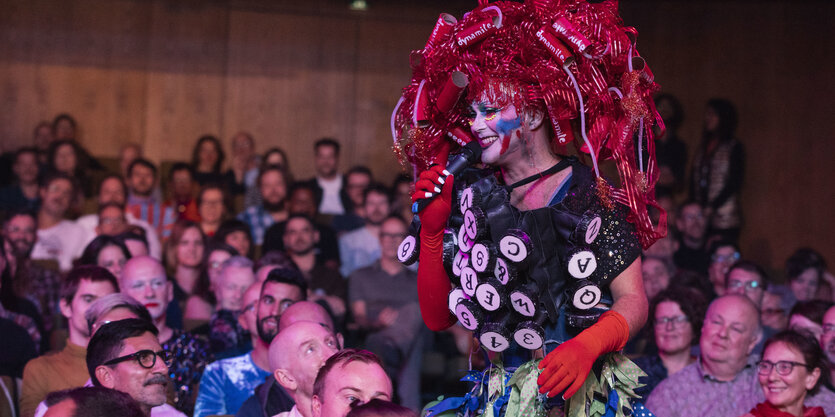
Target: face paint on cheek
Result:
[[505, 128]]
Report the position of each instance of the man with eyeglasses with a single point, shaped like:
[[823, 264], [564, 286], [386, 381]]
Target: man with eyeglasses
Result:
[[143, 278], [748, 279], [227, 383], [723, 254], [723, 381], [828, 340], [125, 355]]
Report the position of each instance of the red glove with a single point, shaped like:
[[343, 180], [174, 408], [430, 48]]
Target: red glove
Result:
[[433, 282], [567, 366]]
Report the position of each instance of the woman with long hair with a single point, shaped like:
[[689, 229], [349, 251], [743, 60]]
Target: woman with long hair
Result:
[[719, 169]]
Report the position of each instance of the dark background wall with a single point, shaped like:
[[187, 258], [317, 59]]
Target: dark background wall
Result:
[[162, 73]]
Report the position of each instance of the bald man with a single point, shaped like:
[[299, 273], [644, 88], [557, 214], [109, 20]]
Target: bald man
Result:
[[305, 311], [143, 278], [270, 396], [723, 381], [296, 355]]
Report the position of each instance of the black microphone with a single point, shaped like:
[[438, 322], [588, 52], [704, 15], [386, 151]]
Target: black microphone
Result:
[[470, 154]]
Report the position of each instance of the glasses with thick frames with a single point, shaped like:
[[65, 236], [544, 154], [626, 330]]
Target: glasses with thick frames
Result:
[[146, 358], [676, 321], [783, 367]]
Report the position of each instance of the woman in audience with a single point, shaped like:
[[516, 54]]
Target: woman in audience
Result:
[[185, 260], [108, 252], [792, 367], [206, 161], [276, 156], [213, 206], [676, 315], [200, 306], [236, 234], [806, 270], [718, 170], [67, 157]]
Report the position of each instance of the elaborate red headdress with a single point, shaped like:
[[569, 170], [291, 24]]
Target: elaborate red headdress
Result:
[[573, 59]]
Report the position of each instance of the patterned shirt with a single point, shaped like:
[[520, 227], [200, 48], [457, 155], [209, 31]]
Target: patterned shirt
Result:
[[258, 220], [692, 392], [24, 321], [191, 355], [160, 216], [226, 384], [42, 287]]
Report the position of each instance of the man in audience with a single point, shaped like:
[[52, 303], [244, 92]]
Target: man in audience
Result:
[[692, 227], [126, 355], [225, 332], [384, 303], [272, 183], [244, 163], [327, 181], [112, 220], [296, 355], [271, 398], [142, 203], [113, 190], [828, 340], [58, 237], [143, 278], [67, 369], [723, 381], [302, 202], [324, 282], [227, 383], [361, 247], [92, 402], [347, 376], [41, 285], [748, 279], [778, 300], [723, 254], [128, 153], [357, 180], [24, 193]]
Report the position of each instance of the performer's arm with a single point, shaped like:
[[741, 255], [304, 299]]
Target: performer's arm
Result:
[[565, 369], [629, 296], [433, 283]]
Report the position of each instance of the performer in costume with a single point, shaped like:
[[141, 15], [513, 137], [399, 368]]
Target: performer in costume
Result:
[[534, 76]]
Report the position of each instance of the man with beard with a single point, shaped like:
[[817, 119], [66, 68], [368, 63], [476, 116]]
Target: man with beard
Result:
[[227, 383], [66, 369], [142, 203], [143, 279], [324, 282], [126, 355], [31, 281], [113, 190], [828, 341], [272, 183], [361, 247]]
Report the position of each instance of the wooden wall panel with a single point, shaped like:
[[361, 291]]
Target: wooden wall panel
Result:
[[291, 81], [186, 77], [774, 60], [163, 72]]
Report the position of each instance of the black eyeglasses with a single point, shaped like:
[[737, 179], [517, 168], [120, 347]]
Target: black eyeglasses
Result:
[[146, 358], [783, 367]]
